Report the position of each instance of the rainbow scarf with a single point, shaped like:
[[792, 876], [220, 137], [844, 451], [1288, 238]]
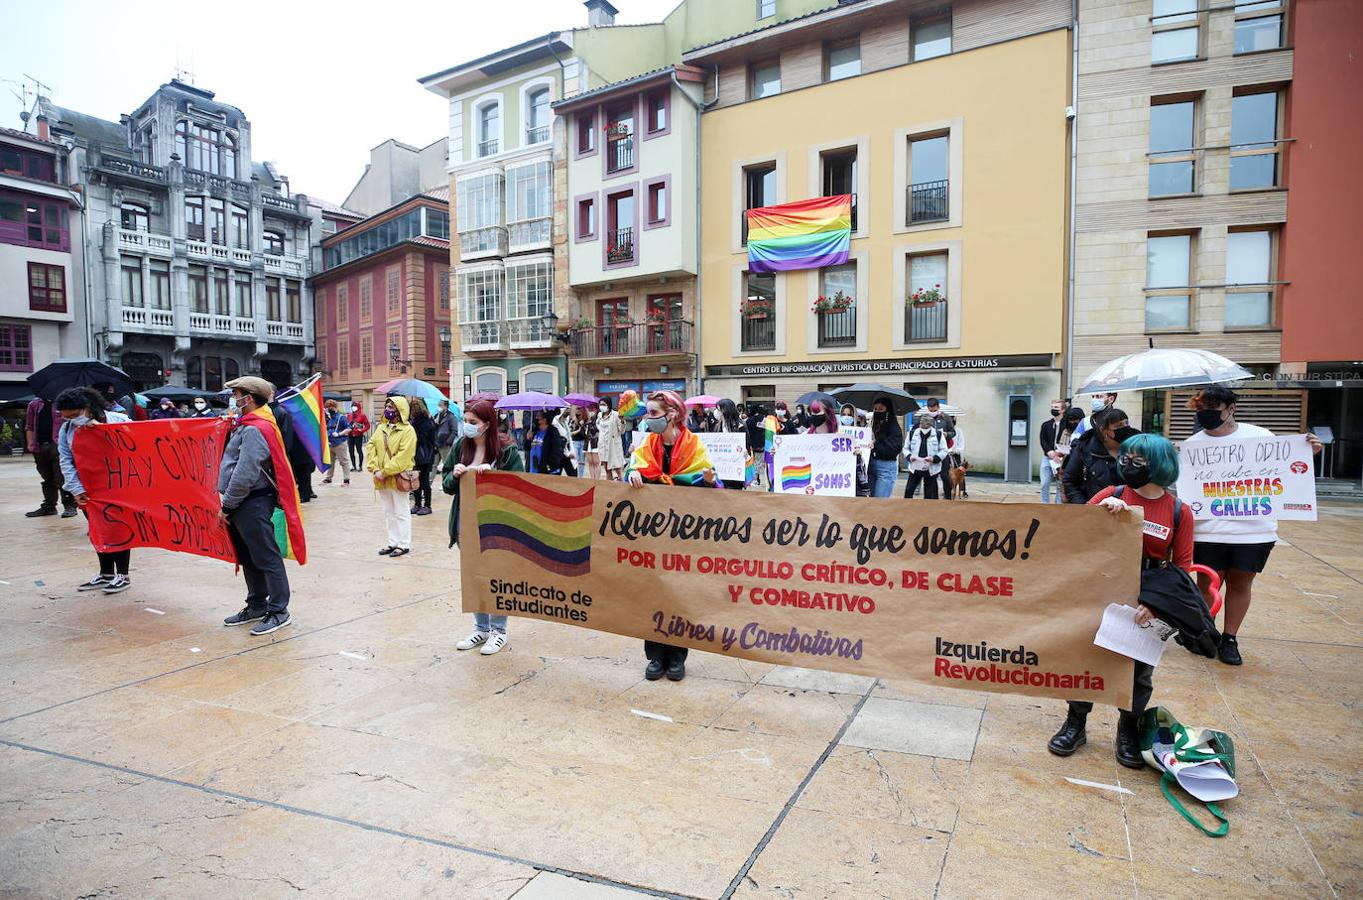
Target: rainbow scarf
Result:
[[288, 516], [771, 425], [309, 421], [631, 407], [750, 469], [689, 460], [806, 234]]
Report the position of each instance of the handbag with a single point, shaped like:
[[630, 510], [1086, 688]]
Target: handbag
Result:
[[1199, 760], [407, 481]]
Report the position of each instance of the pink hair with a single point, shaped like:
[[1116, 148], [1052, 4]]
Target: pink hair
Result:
[[830, 421], [671, 400]]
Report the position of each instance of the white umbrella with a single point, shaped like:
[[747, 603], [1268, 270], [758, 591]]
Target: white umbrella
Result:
[[954, 411], [1162, 369]]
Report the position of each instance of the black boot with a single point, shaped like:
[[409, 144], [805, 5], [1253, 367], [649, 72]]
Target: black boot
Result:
[[1071, 735], [1128, 741], [654, 670]]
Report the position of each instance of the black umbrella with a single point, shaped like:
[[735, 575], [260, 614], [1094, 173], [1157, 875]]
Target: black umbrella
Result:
[[864, 393], [53, 378], [179, 393], [829, 404]]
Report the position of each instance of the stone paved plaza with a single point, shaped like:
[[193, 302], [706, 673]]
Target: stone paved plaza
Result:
[[146, 751]]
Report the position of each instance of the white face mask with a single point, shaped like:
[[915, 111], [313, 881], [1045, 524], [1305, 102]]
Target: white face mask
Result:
[[1096, 404], [845, 420], [473, 431], [199, 404], [78, 421]]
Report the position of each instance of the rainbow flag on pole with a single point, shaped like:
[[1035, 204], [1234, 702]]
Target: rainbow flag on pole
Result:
[[305, 408], [806, 234]]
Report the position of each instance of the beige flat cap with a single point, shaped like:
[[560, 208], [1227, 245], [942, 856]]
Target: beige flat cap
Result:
[[251, 385]]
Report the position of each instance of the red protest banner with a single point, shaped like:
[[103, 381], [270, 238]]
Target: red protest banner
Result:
[[154, 484]]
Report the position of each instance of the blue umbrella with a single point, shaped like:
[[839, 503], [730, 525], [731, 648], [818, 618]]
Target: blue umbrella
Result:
[[412, 387]]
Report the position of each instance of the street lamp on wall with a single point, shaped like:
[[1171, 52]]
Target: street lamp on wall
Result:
[[550, 322], [394, 358]]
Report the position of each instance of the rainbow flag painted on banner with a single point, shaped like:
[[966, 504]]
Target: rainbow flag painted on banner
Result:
[[796, 478], [310, 420], [806, 234], [549, 528]]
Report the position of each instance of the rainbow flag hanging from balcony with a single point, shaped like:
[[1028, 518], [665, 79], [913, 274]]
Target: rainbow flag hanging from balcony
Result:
[[806, 234]]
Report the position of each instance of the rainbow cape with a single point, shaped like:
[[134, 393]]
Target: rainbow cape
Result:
[[310, 420], [750, 469], [288, 516], [806, 234], [547, 527], [631, 407], [771, 425], [689, 460]]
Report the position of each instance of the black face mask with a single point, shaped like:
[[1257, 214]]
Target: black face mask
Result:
[[1209, 419], [1055, 413], [817, 420], [1134, 476]]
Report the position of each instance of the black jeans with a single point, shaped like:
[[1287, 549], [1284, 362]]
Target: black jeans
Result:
[[48, 463], [947, 463], [421, 497], [927, 479], [356, 452], [302, 476], [664, 653], [1142, 686], [116, 562], [252, 531]]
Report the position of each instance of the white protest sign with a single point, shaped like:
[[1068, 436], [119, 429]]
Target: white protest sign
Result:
[[815, 464], [728, 452], [1254, 478], [861, 439]]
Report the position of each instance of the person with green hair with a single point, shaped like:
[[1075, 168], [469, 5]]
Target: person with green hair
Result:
[[1147, 465]]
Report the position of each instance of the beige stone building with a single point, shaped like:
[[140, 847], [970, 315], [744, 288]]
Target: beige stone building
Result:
[[1179, 194]]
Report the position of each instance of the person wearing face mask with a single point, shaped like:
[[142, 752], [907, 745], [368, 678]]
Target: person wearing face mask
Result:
[[887, 444], [591, 443], [609, 429], [201, 410], [546, 448], [392, 455], [446, 424], [786, 423], [1050, 430], [480, 447], [359, 427], [1148, 464], [165, 410], [847, 415], [819, 420], [1237, 548], [1064, 440], [924, 449], [82, 407], [1092, 462], [801, 417], [670, 454], [1097, 403], [338, 434]]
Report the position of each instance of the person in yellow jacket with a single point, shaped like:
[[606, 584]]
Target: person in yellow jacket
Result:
[[392, 453]]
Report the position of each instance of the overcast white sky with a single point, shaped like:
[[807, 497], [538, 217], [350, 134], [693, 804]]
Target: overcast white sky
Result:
[[321, 83]]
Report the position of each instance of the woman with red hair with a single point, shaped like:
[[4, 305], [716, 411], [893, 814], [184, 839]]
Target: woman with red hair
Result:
[[822, 420], [480, 447], [670, 454]]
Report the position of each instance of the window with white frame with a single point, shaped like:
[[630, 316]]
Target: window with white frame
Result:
[[492, 381], [766, 8], [537, 116], [1177, 33], [478, 200], [530, 295], [1168, 282], [925, 309], [489, 128], [836, 306], [536, 379], [1249, 277], [480, 304], [529, 203]]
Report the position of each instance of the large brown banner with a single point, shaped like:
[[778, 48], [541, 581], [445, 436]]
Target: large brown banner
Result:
[[986, 596]]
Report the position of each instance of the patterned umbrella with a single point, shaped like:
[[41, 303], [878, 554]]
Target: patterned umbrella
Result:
[[1162, 368]]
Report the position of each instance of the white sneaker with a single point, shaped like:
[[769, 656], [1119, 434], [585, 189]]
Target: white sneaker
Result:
[[473, 640], [118, 584], [495, 643], [95, 583]]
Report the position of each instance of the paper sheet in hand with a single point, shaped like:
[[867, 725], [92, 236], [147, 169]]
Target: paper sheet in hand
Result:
[[1120, 634]]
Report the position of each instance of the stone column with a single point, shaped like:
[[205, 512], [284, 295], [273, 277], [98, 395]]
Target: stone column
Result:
[[113, 289]]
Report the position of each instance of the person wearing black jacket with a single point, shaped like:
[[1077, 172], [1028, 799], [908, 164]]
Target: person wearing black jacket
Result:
[[545, 448], [299, 458], [445, 427], [1049, 430], [888, 443], [424, 425], [1092, 463]]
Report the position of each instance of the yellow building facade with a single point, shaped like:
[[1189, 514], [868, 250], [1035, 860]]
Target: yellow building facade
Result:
[[953, 138]]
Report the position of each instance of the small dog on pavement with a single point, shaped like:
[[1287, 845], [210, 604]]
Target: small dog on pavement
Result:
[[958, 489]]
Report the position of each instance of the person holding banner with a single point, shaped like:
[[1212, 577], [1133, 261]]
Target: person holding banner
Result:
[[480, 447], [888, 443], [81, 407], [670, 454], [254, 478], [392, 453], [1148, 465], [727, 421], [1236, 548]]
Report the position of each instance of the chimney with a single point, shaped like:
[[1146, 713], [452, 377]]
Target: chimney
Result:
[[600, 12], [44, 134]]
